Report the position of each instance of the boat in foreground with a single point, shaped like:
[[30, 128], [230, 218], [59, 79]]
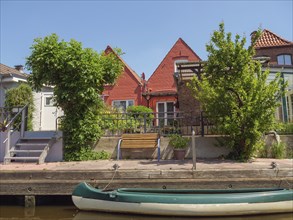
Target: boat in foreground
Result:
[[184, 202]]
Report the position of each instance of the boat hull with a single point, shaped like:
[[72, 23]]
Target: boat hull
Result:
[[125, 201], [182, 209]]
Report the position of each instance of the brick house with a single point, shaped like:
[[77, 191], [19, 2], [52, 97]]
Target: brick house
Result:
[[127, 90], [278, 54], [161, 89]]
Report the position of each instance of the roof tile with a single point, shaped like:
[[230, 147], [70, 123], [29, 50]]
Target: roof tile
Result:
[[270, 39]]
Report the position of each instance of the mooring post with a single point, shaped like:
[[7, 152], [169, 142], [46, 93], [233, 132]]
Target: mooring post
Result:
[[29, 201], [193, 150]]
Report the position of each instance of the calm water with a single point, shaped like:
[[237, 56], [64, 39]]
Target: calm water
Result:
[[71, 213]]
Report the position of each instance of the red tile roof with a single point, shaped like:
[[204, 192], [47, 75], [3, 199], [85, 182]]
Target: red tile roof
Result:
[[270, 39]]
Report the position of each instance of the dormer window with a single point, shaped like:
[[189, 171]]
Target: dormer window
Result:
[[284, 59]]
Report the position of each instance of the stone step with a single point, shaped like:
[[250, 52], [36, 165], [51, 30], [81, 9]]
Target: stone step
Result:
[[35, 138], [32, 144], [26, 151], [21, 158]]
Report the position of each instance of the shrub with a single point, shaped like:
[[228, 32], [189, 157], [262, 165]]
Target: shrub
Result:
[[178, 142]]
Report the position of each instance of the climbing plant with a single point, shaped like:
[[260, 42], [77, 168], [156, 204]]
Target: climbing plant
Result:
[[19, 97], [78, 75]]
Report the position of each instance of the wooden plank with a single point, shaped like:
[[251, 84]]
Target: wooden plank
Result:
[[134, 141], [140, 136], [57, 187]]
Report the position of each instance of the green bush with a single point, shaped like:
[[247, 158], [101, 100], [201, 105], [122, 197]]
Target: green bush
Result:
[[178, 142], [139, 112], [19, 97], [286, 128]]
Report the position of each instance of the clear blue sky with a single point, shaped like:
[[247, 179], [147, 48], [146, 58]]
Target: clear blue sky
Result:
[[144, 30]]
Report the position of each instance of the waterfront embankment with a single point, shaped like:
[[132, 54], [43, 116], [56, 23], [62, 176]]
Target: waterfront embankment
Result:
[[61, 177]]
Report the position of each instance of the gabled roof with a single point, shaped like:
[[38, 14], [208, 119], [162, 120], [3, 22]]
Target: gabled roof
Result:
[[163, 77], [270, 39], [139, 80], [7, 71]]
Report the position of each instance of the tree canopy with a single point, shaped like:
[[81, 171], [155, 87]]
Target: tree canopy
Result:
[[236, 94], [78, 76]]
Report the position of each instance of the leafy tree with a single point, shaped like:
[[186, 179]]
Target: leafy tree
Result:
[[236, 93], [19, 97], [78, 75]]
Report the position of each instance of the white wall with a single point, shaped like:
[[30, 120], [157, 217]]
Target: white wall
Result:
[[41, 118]]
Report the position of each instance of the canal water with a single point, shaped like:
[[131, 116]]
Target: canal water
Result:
[[71, 213]]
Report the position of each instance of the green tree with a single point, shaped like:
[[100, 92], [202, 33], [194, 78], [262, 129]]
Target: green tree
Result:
[[19, 97], [78, 75], [236, 94]]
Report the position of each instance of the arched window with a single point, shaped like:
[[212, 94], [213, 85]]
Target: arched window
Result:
[[284, 59]]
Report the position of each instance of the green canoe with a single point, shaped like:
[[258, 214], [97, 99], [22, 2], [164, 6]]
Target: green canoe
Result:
[[184, 202]]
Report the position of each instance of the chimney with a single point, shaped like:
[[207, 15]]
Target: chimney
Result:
[[19, 68]]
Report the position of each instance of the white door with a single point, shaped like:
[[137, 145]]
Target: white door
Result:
[[49, 113]]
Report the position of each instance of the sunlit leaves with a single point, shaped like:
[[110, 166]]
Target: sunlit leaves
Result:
[[78, 76], [236, 93]]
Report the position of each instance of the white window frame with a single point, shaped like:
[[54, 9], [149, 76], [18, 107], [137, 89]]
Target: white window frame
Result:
[[165, 112], [127, 103]]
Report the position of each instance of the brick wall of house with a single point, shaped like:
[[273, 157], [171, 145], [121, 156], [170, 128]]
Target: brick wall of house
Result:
[[187, 103], [273, 52], [154, 100], [162, 79], [125, 88]]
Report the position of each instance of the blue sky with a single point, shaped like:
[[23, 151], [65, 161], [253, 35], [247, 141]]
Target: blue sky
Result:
[[144, 30]]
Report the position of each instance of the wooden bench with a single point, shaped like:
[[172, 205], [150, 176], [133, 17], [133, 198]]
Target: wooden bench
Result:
[[136, 141]]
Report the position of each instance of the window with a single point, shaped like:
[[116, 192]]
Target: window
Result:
[[178, 61], [284, 59], [122, 104], [166, 113], [49, 102]]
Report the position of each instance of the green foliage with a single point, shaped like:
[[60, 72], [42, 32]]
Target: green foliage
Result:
[[285, 128], [276, 150], [19, 97], [87, 154], [78, 76], [236, 94], [139, 112], [178, 142], [114, 121], [130, 122]]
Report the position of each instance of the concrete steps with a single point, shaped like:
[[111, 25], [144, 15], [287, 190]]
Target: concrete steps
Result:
[[33, 147]]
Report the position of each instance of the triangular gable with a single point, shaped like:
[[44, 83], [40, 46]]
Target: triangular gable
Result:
[[135, 76], [163, 77], [270, 39]]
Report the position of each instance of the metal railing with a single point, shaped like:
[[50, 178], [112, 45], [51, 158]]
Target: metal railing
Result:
[[16, 120], [165, 123]]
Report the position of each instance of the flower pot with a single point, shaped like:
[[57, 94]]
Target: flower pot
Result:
[[179, 154]]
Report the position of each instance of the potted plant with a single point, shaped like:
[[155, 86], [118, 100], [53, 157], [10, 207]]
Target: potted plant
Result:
[[179, 145]]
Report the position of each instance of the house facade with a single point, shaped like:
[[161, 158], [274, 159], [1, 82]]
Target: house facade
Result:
[[161, 90], [46, 113], [126, 91], [278, 53]]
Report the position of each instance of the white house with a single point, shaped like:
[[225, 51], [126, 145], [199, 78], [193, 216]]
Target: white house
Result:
[[45, 114]]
